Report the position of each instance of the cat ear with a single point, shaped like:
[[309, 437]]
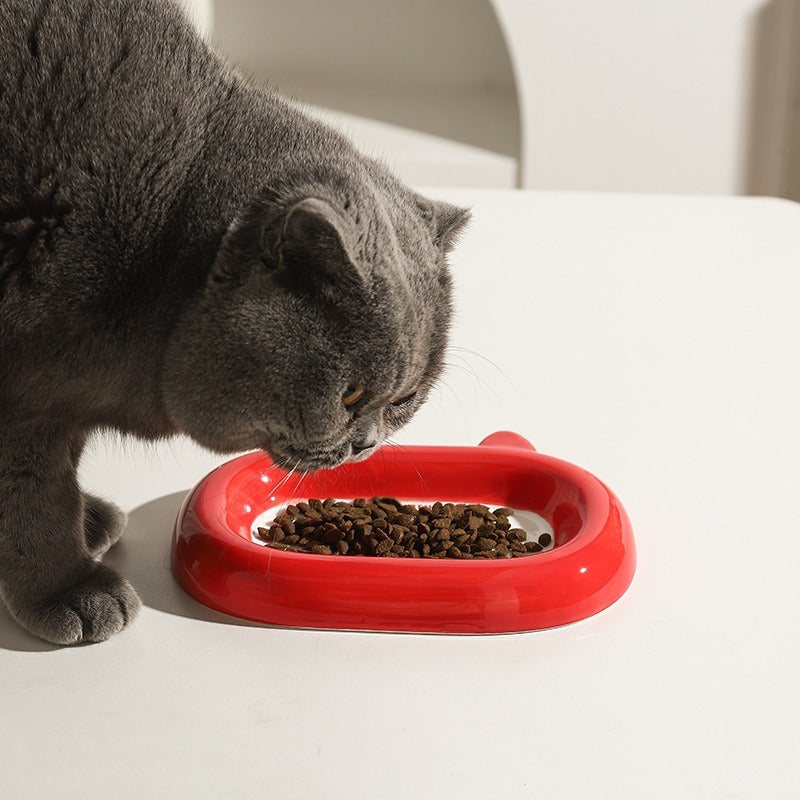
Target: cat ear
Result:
[[315, 245], [444, 220], [448, 223]]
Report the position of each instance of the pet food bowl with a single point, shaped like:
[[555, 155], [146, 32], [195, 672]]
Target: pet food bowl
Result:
[[216, 559]]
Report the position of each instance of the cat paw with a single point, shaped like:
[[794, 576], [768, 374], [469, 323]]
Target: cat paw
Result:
[[103, 524], [101, 605]]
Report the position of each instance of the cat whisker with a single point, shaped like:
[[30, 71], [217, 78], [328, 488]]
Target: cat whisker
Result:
[[477, 379], [411, 461], [296, 489], [285, 478], [281, 465], [443, 383], [455, 350]]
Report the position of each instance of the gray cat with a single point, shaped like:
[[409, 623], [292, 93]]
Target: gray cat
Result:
[[181, 252]]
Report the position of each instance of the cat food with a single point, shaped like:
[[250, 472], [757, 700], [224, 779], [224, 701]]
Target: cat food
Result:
[[384, 526]]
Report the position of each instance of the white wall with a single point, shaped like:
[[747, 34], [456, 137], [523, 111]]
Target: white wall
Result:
[[649, 95], [440, 66]]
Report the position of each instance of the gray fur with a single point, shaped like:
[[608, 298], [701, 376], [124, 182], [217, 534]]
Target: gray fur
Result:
[[182, 252]]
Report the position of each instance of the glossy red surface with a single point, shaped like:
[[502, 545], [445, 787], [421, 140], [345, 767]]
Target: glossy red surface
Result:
[[590, 566]]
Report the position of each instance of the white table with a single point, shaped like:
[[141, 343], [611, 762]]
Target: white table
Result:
[[652, 340]]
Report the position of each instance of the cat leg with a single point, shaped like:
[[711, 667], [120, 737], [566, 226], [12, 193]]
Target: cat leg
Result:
[[103, 524], [48, 578]]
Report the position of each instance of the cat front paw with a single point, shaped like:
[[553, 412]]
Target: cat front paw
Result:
[[103, 524], [101, 605]]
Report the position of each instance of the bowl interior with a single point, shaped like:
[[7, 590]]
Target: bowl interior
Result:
[[541, 490]]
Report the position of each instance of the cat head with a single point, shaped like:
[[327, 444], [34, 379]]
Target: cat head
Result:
[[322, 325]]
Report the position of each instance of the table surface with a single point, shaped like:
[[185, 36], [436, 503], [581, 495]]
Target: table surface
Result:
[[653, 341]]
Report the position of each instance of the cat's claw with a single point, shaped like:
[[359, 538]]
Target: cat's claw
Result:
[[103, 524], [91, 611]]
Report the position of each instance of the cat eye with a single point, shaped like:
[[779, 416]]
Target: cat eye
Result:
[[404, 400], [352, 395]]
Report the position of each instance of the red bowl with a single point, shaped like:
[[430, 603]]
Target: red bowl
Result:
[[591, 564]]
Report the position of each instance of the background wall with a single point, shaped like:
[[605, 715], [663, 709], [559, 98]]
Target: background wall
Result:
[[620, 95], [653, 96], [437, 67]]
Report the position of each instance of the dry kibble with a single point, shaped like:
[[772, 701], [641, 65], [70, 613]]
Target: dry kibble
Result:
[[387, 527]]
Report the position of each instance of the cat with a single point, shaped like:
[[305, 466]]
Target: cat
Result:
[[182, 251]]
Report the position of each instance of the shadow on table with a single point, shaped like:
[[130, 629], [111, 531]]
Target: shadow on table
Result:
[[143, 557]]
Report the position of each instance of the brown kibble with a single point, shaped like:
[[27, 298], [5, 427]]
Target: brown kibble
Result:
[[383, 547], [277, 534], [396, 532], [330, 533], [385, 526]]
